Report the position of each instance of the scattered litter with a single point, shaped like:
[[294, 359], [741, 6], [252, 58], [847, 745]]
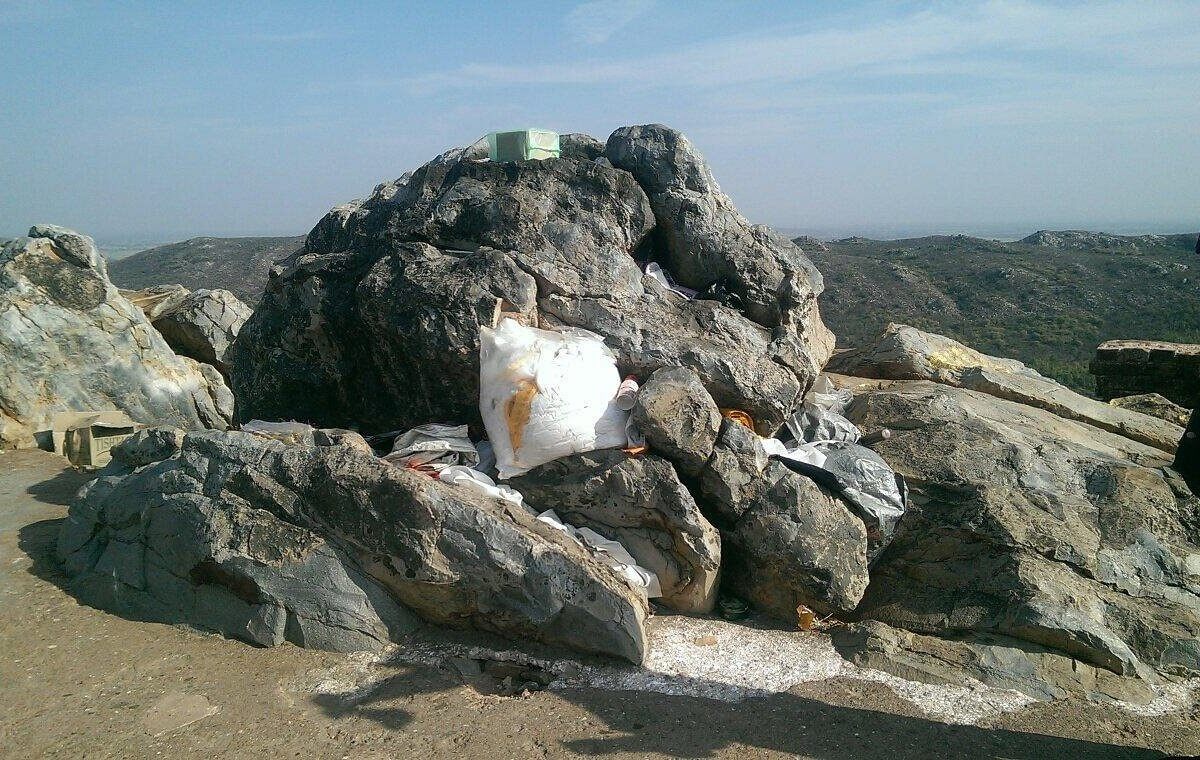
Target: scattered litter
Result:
[[291, 433], [546, 395], [733, 608], [523, 145], [820, 417], [627, 394], [471, 478], [610, 552], [432, 448], [738, 416], [87, 438], [655, 272], [635, 441], [487, 458]]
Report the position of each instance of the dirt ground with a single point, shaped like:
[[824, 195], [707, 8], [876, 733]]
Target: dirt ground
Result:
[[77, 682]]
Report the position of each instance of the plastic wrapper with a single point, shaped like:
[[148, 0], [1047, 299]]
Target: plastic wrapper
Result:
[[545, 395], [468, 477], [611, 553], [431, 448], [820, 417]]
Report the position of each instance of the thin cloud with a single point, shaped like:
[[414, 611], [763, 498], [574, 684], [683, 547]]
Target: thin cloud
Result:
[[596, 21]]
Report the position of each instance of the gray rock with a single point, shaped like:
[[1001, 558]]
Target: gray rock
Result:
[[203, 326], [678, 418], [1027, 525], [906, 353], [72, 246], [786, 541], [707, 240], [310, 544], [1125, 367], [640, 503], [1154, 405], [70, 342], [374, 323], [580, 146], [998, 661]]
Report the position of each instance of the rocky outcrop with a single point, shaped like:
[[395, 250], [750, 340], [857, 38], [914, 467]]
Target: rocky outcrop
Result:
[[786, 540], [375, 322], [640, 503], [905, 353], [70, 342], [1128, 367], [1155, 406], [310, 543], [1026, 525], [203, 326], [157, 300]]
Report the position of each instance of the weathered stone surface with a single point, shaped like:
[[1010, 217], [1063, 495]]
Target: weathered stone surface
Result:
[[1127, 367], [156, 300], [203, 325], [268, 542], [72, 246], [998, 661], [640, 503], [70, 342], [375, 321], [678, 418], [786, 541], [906, 353], [1031, 526], [1154, 405]]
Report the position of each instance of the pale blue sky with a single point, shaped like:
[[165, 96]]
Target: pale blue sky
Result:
[[164, 120]]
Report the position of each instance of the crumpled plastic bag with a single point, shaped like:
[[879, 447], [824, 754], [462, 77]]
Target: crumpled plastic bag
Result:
[[876, 494], [545, 395], [611, 553], [820, 416], [467, 477], [433, 447]]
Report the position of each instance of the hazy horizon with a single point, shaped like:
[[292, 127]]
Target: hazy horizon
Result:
[[158, 123]]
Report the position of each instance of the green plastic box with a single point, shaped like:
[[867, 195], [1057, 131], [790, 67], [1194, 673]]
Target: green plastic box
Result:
[[522, 145]]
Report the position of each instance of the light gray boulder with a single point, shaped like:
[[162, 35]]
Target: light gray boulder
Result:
[[327, 545], [639, 502], [906, 353], [203, 325], [70, 342], [77, 248], [157, 300], [1027, 525]]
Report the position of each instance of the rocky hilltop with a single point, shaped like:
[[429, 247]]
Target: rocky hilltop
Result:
[[1035, 539], [1045, 305], [239, 265]]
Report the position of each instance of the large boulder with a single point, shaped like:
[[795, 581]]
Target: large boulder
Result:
[[1040, 529], [375, 322], [678, 418], [1154, 405], [203, 325], [906, 353], [640, 503], [1128, 367], [70, 342], [271, 542], [786, 540]]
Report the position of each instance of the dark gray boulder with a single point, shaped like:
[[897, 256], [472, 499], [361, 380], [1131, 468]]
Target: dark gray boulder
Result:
[[640, 503], [1026, 525], [349, 326], [1187, 457], [786, 540], [203, 325], [678, 418], [327, 545], [69, 342]]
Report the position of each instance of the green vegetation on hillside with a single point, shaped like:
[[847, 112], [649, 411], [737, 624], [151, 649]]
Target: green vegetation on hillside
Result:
[[1047, 306]]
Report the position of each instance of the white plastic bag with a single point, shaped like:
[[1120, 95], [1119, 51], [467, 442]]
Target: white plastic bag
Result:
[[545, 395], [612, 553]]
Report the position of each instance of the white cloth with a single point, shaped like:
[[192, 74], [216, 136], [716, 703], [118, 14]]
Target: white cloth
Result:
[[611, 553], [467, 477]]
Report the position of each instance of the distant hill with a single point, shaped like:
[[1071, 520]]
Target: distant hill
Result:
[[237, 264], [1047, 300]]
